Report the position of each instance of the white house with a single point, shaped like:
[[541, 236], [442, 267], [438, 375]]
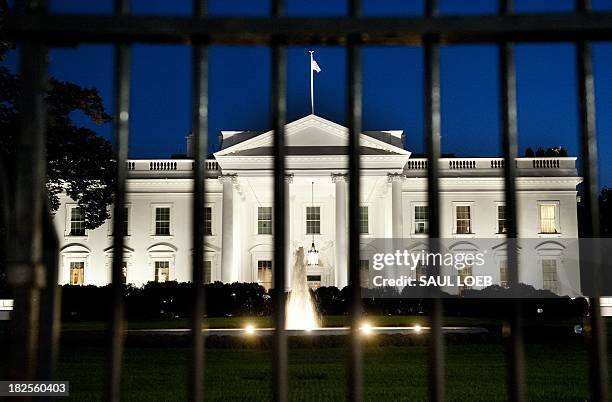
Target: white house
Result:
[[239, 196]]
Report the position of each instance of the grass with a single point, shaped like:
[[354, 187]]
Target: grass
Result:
[[556, 370], [328, 321], [474, 372]]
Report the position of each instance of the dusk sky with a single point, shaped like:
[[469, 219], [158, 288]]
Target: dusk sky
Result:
[[393, 90]]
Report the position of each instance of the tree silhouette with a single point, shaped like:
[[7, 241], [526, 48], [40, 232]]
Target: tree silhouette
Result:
[[79, 162]]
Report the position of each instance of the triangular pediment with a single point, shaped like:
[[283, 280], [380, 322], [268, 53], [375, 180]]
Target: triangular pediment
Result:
[[311, 135]]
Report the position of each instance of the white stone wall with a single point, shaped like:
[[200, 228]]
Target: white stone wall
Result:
[[143, 247]]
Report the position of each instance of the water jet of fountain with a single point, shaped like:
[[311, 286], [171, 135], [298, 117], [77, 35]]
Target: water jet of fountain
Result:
[[301, 312]]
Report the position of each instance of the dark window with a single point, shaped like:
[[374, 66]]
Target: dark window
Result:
[[363, 220], [313, 220], [162, 221], [208, 221], [207, 271], [421, 219], [264, 220], [77, 222]]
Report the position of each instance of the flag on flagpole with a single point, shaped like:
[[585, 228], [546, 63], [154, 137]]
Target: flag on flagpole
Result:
[[315, 66]]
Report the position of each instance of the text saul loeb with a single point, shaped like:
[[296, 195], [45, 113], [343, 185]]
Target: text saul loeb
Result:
[[411, 260], [438, 281]]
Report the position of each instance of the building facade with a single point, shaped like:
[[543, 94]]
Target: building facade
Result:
[[239, 210]]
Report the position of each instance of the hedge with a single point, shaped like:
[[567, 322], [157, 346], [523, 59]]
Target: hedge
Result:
[[173, 299]]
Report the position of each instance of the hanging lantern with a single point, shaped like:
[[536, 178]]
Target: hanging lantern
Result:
[[313, 255]]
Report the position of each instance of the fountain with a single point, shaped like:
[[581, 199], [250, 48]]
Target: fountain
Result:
[[301, 312]]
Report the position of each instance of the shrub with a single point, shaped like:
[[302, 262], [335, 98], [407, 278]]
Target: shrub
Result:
[[165, 300], [173, 299]]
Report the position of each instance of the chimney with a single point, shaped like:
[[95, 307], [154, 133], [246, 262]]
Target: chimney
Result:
[[190, 144]]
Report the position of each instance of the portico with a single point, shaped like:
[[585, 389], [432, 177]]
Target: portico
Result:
[[317, 162]]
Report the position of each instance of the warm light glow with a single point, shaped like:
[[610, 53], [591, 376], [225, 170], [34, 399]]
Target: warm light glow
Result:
[[312, 256], [366, 328], [249, 329], [418, 329]]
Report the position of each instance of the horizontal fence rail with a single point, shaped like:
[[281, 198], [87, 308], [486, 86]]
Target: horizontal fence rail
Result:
[[64, 29], [35, 31]]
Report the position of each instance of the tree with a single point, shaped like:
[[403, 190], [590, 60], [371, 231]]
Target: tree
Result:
[[549, 152], [79, 162], [556, 152]]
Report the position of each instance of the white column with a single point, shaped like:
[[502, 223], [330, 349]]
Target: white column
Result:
[[289, 259], [341, 231], [229, 273], [397, 216]]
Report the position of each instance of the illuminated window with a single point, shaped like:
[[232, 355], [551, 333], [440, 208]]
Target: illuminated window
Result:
[[162, 271], [501, 219], [547, 218], [264, 273], [77, 272], [549, 274], [464, 273], [464, 219], [420, 271], [314, 281], [363, 220], [503, 274], [313, 220], [77, 222], [162, 221], [124, 272], [264, 220], [421, 219]]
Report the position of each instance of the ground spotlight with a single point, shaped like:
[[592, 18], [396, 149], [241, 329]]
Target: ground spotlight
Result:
[[366, 328], [418, 329], [249, 329]]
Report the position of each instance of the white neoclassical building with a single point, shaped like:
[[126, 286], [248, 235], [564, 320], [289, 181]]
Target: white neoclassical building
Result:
[[239, 196]]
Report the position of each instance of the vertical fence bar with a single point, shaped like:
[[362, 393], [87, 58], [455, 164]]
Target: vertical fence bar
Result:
[[279, 111], [515, 360], [5, 222], [26, 265], [122, 104], [354, 87], [200, 134], [432, 133], [50, 309], [588, 139]]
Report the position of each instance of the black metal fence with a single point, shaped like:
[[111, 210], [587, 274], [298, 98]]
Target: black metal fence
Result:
[[33, 261]]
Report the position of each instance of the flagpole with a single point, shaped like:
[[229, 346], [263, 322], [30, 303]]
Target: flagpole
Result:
[[311, 84]]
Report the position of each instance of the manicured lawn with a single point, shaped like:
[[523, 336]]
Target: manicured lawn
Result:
[[555, 371], [260, 322], [328, 321]]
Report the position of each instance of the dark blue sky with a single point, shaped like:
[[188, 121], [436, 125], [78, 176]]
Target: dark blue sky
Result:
[[393, 90]]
